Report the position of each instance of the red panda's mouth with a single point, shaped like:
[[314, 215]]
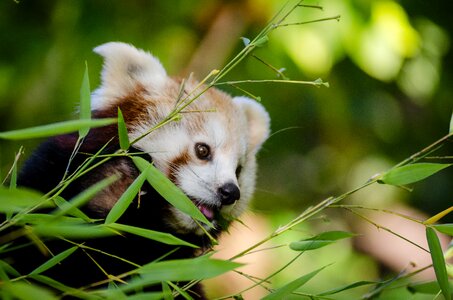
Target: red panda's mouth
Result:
[[207, 211]]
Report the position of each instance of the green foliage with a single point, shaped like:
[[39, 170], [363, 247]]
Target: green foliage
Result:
[[122, 131], [292, 286], [411, 173], [68, 222], [54, 129], [438, 262], [168, 190], [85, 102], [320, 240]]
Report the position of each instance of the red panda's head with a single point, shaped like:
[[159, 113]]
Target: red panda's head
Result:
[[209, 153]]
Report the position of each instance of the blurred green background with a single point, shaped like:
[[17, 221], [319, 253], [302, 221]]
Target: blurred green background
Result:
[[389, 65]]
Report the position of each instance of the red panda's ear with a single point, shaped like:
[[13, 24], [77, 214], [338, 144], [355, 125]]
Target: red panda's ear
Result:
[[125, 69], [258, 121]]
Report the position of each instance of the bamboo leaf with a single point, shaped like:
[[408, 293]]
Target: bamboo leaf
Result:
[[16, 200], [198, 268], [438, 216], [169, 191], [145, 296], [309, 245], [13, 181], [431, 288], [35, 219], [411, 173], [84, 196], [166, 291], [55, 129], [346, 287], [75, 212], [444, 228], [292, 286], [162, 237], [438, 262], [451, 124], [320, 240], [122, 131], [53, 261], [85, 102], [26, 291], [126, 198], [8, 269], [61, 287], [71, 230], [181, 292]]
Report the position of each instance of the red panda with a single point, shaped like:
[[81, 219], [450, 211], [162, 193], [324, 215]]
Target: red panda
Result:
[[209, 154]]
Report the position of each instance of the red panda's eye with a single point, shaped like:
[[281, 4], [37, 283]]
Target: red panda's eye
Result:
[[202, 151]]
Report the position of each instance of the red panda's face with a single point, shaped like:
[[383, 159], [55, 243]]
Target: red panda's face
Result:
[[209, 153]]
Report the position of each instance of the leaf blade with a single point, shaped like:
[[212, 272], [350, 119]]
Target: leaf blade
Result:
[[84, 196], [55, 129], [16, 200], [321, 240], [162, 237], [122, 131], [125, 200], [438, 262], [198, 268], [411, 173], [169, 191], [85, 102], [292, 286], [53, 261]]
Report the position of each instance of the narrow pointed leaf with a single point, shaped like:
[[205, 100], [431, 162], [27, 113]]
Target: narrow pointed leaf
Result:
[[85, 102], [451, 124], [320, 240], [36, 219], [13, 180], [411, 173], [444, 228], [122, 131], [84, 196], [292, 286], [181, 292], [162, 237], [8, 269], [431, 288], [169, 191], [180, 270], [16, 200], [55, 129], [346, 287], [61, 287], [23, 290], [166, 291], [53, 261], [145, 296], [438, 262], [309, 245], [71, 230], [75, 212], [126, 198]]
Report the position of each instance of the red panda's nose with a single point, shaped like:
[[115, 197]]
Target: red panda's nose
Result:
[[229, 193]]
